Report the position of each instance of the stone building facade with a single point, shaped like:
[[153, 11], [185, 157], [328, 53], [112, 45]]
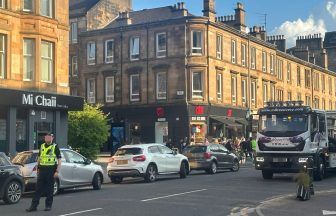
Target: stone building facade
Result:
[[34, 84], [164, 73]]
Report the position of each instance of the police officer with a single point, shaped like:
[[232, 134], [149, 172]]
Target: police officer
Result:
[[49, 163]]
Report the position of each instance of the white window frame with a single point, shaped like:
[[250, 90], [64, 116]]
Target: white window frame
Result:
[[91, 60], [299, 96], [244, 92], [289, 96], [109, 98], [74, 66], [134, 53], [265, 93], [196, 93], [308, 100], [264, 61], [28, 57], [134, 96], [27, 9], [3, 4], [219, 86], [3, 56], [50, 60], [298, 76], [243, 55], [233, 51], [91, 93], [272, 88], [272, 64], [109, 59], [158, 93], [289, 72], [253, 57], [253, 93], [51, 9], [280, 69], [234, 89], [219, 46], [161, 53], [280, 94], [195, 50], [74, 32]]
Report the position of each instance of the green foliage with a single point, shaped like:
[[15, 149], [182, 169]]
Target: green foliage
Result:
[[88, 130]]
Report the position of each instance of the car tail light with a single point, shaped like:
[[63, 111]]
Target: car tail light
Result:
[[207, 155], [111, 160], [139, 158]]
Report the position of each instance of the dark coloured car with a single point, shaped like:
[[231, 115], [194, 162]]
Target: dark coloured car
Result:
[[211, 158], [11, 181]]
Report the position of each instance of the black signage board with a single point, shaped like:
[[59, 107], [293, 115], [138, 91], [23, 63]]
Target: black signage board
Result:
[[284, 110], [40, 100]]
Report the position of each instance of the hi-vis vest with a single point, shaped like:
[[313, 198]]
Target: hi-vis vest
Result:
[[48, 155]]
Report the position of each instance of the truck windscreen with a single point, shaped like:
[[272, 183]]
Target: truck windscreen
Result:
[[283, 124]]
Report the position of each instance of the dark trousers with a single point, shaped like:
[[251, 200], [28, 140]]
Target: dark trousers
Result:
[[44, 185]]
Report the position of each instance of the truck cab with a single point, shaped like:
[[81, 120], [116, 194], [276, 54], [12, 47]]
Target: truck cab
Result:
[[289, 133]]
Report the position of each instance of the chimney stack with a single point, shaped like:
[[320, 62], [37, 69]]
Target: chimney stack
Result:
[[240, 17], [209, 9]]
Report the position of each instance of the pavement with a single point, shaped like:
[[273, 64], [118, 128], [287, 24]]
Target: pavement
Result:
[[225, 193]]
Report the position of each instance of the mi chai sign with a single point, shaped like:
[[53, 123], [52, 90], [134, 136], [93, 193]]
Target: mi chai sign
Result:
[[39, 100]]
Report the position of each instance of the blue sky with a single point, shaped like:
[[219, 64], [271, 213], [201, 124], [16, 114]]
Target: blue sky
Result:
[[288, 17]]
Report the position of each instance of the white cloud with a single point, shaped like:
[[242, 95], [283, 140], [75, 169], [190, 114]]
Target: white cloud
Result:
[[331, 8], [293, 29]]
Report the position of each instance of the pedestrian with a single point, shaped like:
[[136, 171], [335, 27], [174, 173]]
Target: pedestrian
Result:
[[254, 147], [169, 144], [228, 145], [192, 141], [49, 164], [304, 184]]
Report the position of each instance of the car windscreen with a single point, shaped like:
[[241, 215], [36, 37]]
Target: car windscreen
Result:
[[25, 158], [195, 149], [128, 151], [4, 160]]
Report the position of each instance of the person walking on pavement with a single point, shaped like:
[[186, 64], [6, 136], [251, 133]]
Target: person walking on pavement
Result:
[[49, 163], [254, 147]]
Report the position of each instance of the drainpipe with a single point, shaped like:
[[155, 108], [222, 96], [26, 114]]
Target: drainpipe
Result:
[[312, 87], [147, 61], [121, 67]]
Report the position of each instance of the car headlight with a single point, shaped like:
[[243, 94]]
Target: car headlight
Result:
[[303, 160], [260, 159]]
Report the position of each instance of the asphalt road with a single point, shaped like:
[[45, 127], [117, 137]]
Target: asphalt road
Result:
[[225, 193]]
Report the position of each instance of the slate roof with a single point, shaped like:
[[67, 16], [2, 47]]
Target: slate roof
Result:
[[329, 39], [79, 8], [152, 15]]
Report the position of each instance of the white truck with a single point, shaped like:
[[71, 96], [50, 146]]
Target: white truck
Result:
[[288, 133]]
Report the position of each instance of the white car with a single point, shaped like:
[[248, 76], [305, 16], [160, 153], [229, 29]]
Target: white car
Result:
[[147, 161], [75, 171]]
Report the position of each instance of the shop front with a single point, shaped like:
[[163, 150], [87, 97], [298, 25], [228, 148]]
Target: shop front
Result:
[[25, 118]]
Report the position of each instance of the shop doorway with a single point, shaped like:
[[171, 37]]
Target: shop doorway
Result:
[[40, 130], [161, 132]]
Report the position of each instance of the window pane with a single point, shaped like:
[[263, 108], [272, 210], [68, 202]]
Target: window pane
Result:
[[197, 84], [2, 56], [135, 87], [109, 83], [109, 51], [161, 44], [135, 48], [74, 32], [161, 86], [46, 7], [28, 61], [197, 42], [46, 61], [28, 5]]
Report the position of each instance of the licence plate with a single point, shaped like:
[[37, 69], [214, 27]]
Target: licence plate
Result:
[[122, 162], [279, 160]]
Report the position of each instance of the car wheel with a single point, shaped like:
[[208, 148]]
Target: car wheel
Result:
[[183, 170], [116, 180], [267, 174], [13, 192], [235, 166], [151, 173], [319, 173], [97, 181], [213, 168], [56, 187]]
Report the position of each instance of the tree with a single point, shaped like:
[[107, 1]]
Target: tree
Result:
[[88, 130]]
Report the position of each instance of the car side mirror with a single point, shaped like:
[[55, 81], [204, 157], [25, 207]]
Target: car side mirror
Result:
[[174, 151], [87, 161]]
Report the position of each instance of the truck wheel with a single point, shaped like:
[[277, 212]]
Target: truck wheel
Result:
[[267, 174], [319, 173]]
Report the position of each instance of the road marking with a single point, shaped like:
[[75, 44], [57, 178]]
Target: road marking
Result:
[[172, 195], [325, 212], [80, 212]]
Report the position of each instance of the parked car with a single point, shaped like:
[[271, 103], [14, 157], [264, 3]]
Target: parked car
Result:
[[147, 161], [211, 158], [11, 181], [76, 170]]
